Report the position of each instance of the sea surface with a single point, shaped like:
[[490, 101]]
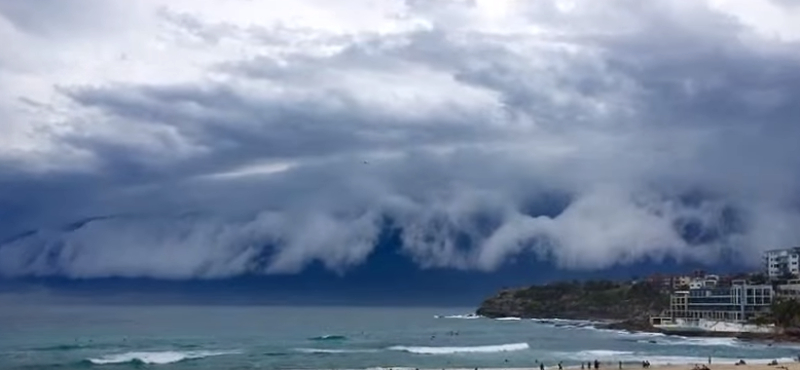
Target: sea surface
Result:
[[252, 337]]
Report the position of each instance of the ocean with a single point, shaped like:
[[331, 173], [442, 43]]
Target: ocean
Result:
[[254, 337]]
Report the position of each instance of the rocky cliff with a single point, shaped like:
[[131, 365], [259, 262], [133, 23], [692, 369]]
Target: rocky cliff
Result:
[[598, 300]]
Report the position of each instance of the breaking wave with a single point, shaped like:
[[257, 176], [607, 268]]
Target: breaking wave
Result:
[[333, 351], [469, 316], [601, 353], [508, 319], [635, 357], [156, 358], [683, 341], [329, 337], [451, 350], [565, 323], [63, 347], [683, 360]]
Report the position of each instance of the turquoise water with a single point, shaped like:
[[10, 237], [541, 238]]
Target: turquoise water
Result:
[[221, 337]]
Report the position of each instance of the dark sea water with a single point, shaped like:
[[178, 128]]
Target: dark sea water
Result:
[[223, 337]]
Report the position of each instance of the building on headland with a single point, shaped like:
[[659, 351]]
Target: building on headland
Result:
[[738, 303], [790, 290], [668, 282], [713, 303], [782, 263], [679, 282]]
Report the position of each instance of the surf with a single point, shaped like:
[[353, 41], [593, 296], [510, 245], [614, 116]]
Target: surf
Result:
[[451, 350], [155, 358], [469, 316], [711, 342], [329, 337], [333, 351]]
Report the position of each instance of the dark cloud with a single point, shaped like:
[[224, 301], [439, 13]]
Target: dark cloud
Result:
[[609, 135]]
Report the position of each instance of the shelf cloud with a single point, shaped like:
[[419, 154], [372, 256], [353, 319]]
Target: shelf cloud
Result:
[[212, 138]]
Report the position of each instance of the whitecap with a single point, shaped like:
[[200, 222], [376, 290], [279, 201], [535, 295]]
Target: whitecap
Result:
[[450, 350], [469, 316], [508, 319], [710, 342], [602, 353], [156, 358], [332, 351]]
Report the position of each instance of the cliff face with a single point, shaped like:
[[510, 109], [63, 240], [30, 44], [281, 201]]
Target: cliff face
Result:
[[575, 300]]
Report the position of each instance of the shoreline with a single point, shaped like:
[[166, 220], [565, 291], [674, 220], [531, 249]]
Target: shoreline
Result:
[[634, 326], [774, 337], [790, 365]]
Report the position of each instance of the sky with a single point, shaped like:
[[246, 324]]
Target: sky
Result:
[[216, 140]]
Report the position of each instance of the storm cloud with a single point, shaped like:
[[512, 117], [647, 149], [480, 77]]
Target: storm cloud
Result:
[[209, 139]]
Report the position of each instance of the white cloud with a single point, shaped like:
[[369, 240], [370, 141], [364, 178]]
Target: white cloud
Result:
[[591, 134]]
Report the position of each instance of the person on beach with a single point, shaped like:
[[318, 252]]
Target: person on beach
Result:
[[582, 367], [620, 364], [596, 364], [541, 366], [560, 367]]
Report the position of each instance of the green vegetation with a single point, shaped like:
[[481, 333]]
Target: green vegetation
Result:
[[596, 299], [785, 313]]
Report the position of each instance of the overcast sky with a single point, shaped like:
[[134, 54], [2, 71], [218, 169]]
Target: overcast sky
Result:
[[184, 139]]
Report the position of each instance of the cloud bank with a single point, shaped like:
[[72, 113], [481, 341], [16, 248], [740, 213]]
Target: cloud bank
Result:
[[206, 139]]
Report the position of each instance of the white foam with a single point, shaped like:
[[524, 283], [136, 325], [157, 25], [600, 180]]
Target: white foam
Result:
[[570, 321], [602, 353], [508, 319], [710, 342], [331, 351], [683, 360], [469, 316], [156, 358], [628, 357], [646, 334], [451, 350]]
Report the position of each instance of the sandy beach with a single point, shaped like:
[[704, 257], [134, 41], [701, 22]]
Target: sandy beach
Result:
[[781, 366], [785, 365]]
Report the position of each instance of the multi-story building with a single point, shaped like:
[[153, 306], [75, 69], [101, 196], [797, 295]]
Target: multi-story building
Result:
[[780, 263], [707, 281], [789, 290], [681, 281], [711, 281], [739, 302]]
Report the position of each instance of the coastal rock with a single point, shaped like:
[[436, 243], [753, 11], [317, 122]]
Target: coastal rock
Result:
[[632, 325], [591, 300]]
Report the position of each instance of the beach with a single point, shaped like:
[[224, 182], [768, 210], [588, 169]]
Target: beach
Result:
[[793, 365], [781, 366]]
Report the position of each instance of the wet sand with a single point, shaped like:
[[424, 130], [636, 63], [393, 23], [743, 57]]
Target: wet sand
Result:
[[781, 366], [785, 365]]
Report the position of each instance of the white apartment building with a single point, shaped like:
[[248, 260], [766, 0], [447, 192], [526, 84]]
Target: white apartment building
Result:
[[739, 302], [782, 262], [708, 281], [789, 290]]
